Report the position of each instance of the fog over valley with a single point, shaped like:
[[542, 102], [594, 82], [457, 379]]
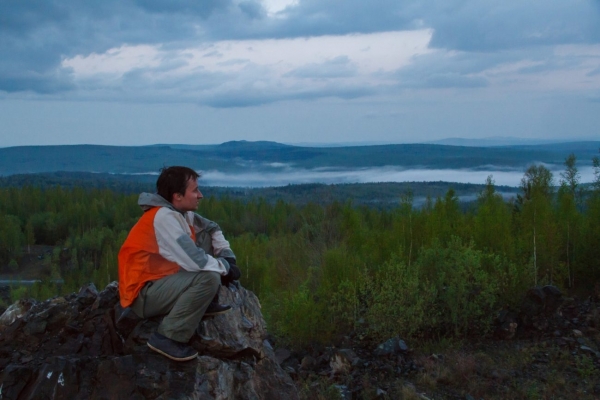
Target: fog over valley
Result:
[[291, 176]]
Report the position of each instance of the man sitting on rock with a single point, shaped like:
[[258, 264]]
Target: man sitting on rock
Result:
[[173, 262]]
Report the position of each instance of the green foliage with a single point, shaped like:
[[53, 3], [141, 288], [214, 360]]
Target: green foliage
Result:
[[492, 223], [296, 316], [397, 301], [322, 270], [11, 238], [18, 293], [13, 265], [585, 366]]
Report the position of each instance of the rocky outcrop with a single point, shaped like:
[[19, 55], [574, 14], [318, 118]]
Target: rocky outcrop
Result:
[[85, 346], [540, 309]]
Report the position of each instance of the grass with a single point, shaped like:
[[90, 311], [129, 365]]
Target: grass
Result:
[[493, 370]]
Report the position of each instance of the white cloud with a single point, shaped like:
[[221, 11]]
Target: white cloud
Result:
[[269, 65], [275, 6], [114, 62]]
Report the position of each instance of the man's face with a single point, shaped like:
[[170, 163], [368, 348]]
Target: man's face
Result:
[[189, 201]]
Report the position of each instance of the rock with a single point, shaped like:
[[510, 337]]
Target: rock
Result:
[[307, 363], [243, 329], [341, 361], [577, 333], [541, 300], [72, 347], [589, 350], [281, 355], [87, 295], [391, 347], [15, 311], [533, 304], [344, 392], [553, 299]]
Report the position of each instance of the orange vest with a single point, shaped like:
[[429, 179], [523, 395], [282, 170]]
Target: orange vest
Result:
[[139, 259]]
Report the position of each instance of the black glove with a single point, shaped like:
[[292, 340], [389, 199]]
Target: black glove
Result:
[[234, 272]]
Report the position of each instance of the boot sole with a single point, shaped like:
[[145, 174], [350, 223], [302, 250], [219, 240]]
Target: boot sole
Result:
[[188, 358]]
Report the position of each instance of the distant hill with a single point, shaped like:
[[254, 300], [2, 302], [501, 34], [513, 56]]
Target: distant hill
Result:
[[502, 141], [378, 195], [243, 156]]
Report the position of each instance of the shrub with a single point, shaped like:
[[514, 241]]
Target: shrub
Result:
[[18, 293], [397, 301], [13, 266], [449, 290], [465, 291]]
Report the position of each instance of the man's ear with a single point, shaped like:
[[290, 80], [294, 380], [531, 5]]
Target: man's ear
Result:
[[177, 196]]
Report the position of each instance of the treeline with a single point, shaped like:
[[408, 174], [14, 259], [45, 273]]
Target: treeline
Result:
[[321, 270], [378, 195]]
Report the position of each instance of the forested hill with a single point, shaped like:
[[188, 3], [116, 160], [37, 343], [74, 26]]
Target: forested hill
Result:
[[379, 195], [264, 156]]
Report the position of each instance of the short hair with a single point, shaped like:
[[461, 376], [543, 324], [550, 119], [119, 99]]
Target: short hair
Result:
[[174, 180]]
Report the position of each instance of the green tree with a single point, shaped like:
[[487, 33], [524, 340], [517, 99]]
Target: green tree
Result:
[[571, 176], [11, 238], [492, 223], [535, 208], [568, 216]]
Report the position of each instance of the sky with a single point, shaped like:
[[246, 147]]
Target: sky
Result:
[[138, 72]]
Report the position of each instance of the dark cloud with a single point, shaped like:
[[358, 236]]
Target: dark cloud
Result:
[[36, 35], [203, 8], [252, 9], [249, 97], [444, 70], [489, 26], [339, 17]]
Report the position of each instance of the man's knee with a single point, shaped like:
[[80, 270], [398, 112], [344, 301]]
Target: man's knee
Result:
[[208, 279], [214, 280]]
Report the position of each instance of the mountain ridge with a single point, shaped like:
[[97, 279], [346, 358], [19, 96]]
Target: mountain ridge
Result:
[[261, 156]]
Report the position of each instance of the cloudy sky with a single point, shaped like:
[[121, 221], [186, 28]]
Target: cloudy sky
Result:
[[128, 72]]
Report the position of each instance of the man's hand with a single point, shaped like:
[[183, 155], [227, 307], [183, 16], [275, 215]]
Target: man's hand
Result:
[[234, 272]]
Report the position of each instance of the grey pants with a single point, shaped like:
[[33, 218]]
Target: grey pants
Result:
[[183, 297]]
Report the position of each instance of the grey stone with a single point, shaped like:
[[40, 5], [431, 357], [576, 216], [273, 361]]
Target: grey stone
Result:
[[589, 350], [243, 329], [15, 311], [341, 361], [391, 347], [282, 354], [90, 341], [308, 362], [87, 295]]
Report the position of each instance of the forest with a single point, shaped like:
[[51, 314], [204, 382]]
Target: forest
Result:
[[322, 269]]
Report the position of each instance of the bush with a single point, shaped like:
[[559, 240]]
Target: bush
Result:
[[397, 301], [18, 293], [13, 266], [465, 291], [448, 291], [295, 316]]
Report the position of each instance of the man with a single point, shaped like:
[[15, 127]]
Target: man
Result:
[[163, 271]]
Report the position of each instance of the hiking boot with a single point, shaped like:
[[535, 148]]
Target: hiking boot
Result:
[[170, 348], [215, 308]]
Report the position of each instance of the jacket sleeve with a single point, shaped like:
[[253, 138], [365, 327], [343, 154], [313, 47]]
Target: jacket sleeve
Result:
[[219, 246], [175, 244]]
